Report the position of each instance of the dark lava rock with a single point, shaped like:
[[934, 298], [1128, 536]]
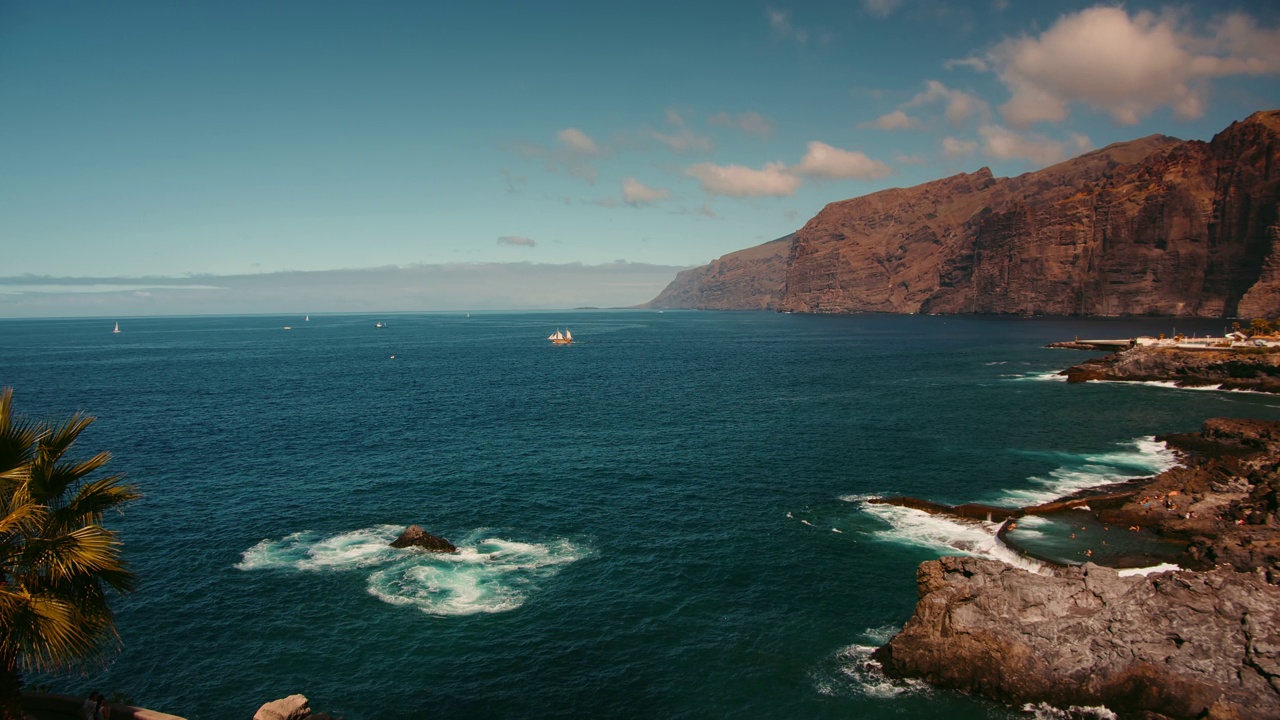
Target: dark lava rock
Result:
[[1175, 645], [414, 536]]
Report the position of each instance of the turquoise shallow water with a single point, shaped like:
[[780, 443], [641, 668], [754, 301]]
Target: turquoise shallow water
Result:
[[662, 520]]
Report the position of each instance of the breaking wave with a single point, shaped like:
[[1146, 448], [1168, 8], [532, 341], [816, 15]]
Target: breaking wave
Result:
[[486, 575], [1142, 457], [852, 672], [946, 535]]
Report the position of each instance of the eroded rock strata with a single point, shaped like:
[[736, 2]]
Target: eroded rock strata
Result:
[[1199, 642], [1154, 226], [1255, 369], [1177, 645]]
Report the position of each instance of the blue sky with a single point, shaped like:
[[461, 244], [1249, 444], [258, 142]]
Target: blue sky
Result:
[[170, 140]]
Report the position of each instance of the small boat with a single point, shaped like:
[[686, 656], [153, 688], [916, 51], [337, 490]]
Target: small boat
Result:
[[117, 328], [558, 338], [380, 325], [306, 319]]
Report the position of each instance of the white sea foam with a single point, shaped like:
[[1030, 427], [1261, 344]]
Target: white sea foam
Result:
[[1143, 457], [486, 575], [946, 535], [494, 576], [1175, 386], [1144, 571], [1047, 375], [308, 551], [1045, 711], [855, 673]]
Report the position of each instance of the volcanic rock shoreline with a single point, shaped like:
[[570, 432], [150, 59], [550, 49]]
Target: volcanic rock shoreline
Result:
[[1200, 642], [1256, 369]]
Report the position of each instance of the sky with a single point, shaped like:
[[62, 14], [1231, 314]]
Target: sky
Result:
[[154, 152]]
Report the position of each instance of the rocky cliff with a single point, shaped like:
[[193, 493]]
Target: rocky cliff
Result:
[[1153, 226], [751, 279], [1171, 645]]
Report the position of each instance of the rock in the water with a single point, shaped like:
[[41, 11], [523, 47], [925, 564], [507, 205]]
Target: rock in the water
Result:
[[294, 707], [414, 536], [1181, 644]]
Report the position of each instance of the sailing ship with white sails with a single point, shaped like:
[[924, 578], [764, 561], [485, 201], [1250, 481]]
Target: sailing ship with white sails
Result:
[[558, 338]]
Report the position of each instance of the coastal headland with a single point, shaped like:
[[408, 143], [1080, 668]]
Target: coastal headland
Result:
[[1254, 367], [1201, 641], [1153, 226]]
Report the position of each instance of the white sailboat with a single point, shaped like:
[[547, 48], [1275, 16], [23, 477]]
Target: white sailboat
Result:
[[306, 319], [559, 338], [117, 328]]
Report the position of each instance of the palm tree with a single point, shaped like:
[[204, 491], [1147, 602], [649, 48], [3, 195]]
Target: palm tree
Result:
[[57, 561]]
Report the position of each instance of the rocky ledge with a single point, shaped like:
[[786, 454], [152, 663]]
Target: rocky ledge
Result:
[[1175, 645], [1256, 369], [1201, 642]]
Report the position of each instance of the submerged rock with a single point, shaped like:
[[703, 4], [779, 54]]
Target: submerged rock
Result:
[[414, 536], [1180, 644]]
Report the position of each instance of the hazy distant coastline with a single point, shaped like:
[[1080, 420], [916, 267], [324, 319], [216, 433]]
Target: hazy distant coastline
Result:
[[460, 286]]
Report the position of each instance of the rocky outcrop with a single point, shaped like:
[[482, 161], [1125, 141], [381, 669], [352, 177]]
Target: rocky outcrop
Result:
[[1255, 369], [1178, 645], [414, 536], [1156, 226], [1200, 642], [751, 279], [294, 707]]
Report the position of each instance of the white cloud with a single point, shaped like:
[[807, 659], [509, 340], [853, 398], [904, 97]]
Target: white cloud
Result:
[[636, 193], [896, 120], [577, 141], [780, 23], [750, 123], [739, 181], [1126, 65], [957, 148], [823, 160], [684, 139], [960, 105], [1004, 144], [881, 8], [517, 240], [973, 63]]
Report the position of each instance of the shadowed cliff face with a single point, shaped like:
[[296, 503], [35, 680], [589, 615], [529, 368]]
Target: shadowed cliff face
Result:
[[751, 279], [1154, 226]]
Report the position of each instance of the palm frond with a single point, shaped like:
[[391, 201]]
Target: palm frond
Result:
[[57, 562]]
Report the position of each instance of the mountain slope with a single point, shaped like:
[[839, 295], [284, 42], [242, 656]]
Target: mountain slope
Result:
[[1152, 226]]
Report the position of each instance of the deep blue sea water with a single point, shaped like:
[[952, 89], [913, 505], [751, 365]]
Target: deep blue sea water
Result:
[[662, 520]]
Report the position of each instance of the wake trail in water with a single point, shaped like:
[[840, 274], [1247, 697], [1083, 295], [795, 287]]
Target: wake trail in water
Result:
[[486, 575]]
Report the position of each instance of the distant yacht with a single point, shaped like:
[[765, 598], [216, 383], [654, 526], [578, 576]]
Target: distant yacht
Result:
[[557, 338], [117, 328], [380, 325], [306, 319]]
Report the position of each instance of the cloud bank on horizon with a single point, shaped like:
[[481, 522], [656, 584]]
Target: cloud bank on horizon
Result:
[[455, 287], [156, 146]]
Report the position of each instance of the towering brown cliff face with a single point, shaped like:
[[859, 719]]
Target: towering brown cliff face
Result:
[[1153, 226], [751, 279]]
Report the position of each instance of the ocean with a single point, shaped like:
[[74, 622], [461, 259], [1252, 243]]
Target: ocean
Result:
[[663, 520]]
